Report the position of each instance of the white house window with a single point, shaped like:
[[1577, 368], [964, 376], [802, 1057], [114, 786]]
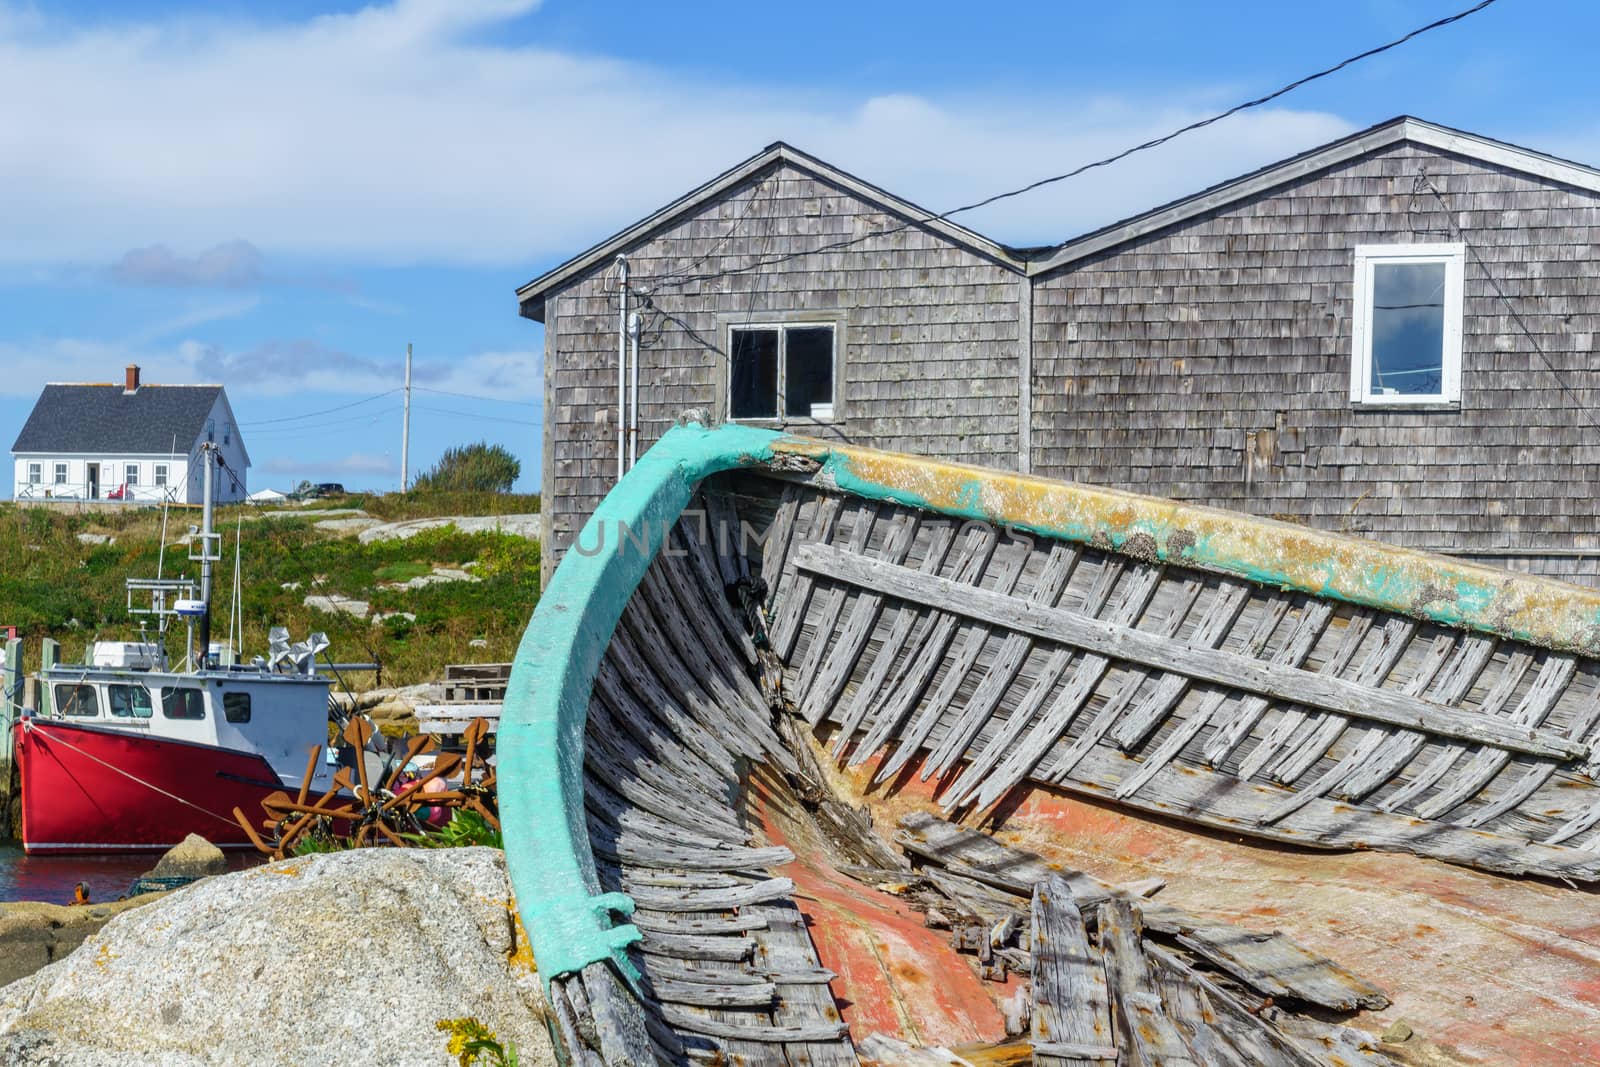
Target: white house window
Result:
[[61, 474], [35, 473], [130, 473], [161, 474], [1407, 324], [783, 370]]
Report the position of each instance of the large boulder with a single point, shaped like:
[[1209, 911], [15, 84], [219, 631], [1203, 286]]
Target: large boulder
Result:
[[34, 934], [193, 857], [340, 958]]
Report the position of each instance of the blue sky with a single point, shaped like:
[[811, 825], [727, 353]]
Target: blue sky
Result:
[[281, 196]]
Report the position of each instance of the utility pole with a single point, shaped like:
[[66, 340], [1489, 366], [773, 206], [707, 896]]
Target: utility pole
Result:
[[405, 428]]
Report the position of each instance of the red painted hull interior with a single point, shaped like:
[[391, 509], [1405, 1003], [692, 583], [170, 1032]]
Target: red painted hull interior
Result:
[[98, 790]]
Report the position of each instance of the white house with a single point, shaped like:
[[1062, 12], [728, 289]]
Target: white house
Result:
[[133, 442]]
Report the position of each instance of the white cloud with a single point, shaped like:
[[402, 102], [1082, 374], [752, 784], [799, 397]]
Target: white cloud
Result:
[[402, 133], [229, 265], [277, 368]]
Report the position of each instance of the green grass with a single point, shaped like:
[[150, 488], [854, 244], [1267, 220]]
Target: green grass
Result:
[[52, 585], [402, 572]]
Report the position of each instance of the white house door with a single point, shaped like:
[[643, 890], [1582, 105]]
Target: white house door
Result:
[[92, 473]]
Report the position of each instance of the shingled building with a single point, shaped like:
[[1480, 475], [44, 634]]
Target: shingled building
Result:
[[1390, 335]]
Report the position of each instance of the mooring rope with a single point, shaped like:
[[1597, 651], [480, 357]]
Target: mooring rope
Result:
[[32, 724]]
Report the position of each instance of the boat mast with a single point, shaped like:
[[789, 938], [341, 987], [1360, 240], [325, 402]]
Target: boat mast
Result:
[[207, 536]]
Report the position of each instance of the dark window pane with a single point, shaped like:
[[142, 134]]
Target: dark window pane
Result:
[[754, 379], [77, 700], [183, 704], [810, 369], [1407, 328], [236, 707], [130, 701]]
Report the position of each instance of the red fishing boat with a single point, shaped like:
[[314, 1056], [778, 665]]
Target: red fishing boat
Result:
[[123, 754]]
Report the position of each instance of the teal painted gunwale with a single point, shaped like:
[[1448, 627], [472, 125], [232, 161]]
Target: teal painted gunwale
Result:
[[568, 918], [540, 745]]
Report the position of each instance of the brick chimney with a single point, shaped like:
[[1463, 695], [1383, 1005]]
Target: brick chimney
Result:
[[132, 385]]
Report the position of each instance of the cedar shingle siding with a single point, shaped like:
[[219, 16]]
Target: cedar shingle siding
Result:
[[1212, 363], [1208, 361], [929, 333]]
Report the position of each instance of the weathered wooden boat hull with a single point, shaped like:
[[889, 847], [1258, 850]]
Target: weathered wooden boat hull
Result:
[[1000, 635]]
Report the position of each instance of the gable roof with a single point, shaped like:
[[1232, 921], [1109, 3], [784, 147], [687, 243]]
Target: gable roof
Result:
[[531, 296], [106, 419], [1041, 260], [1372, 139]]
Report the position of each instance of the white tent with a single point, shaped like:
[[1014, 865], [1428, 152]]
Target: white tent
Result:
[[268, 496]]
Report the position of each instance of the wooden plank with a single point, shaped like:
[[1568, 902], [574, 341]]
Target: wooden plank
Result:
[[855, 635], [687, 900], [668, 922], [1471, 779], [690, 619], [1532, 710], [1236, 722], [1278, 967], [922, 657], [792, 605], [623, 673], [941, 535], [1224, 668], [785, 946], [1249, 1038], [1142, 1024], [1333, 779], [726, 535], [777, 565], [1026, 711], [1307, 630], [1306, 748], [645, 659], [1071, 1009], [685, 668], [826, 606], [1135, 596], [683, 565], [1003, 669], [1292, 718], [680, 1019], [1228, 601], [969, 642], [1387, 757], [1271, 962]]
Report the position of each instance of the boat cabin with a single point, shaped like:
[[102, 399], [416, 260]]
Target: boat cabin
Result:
[[244, 709]]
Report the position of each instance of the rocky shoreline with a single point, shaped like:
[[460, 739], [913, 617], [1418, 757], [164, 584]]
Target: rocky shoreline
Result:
[[339, 958]]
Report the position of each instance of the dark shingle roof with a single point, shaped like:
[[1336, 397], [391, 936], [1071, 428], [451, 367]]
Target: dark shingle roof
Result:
[[104, 418]]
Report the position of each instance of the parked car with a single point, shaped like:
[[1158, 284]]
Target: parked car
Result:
[[318, 490]]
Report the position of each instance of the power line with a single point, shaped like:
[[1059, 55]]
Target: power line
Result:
[[479, 416], [1516, 316], [324, 411], [1107, 161], [471, 396]]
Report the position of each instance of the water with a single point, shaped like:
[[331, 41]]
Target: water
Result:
[[52, 878]]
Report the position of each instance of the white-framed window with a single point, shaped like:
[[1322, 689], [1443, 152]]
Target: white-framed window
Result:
[[161, 474], [1407, 324], [61, 474], [781, 370], [35, 473], [130, 474]]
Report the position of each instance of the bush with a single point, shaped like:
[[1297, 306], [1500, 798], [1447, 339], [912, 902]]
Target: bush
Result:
[[480, 467]]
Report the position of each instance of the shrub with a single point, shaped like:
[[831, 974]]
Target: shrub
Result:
[[480, 467]]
